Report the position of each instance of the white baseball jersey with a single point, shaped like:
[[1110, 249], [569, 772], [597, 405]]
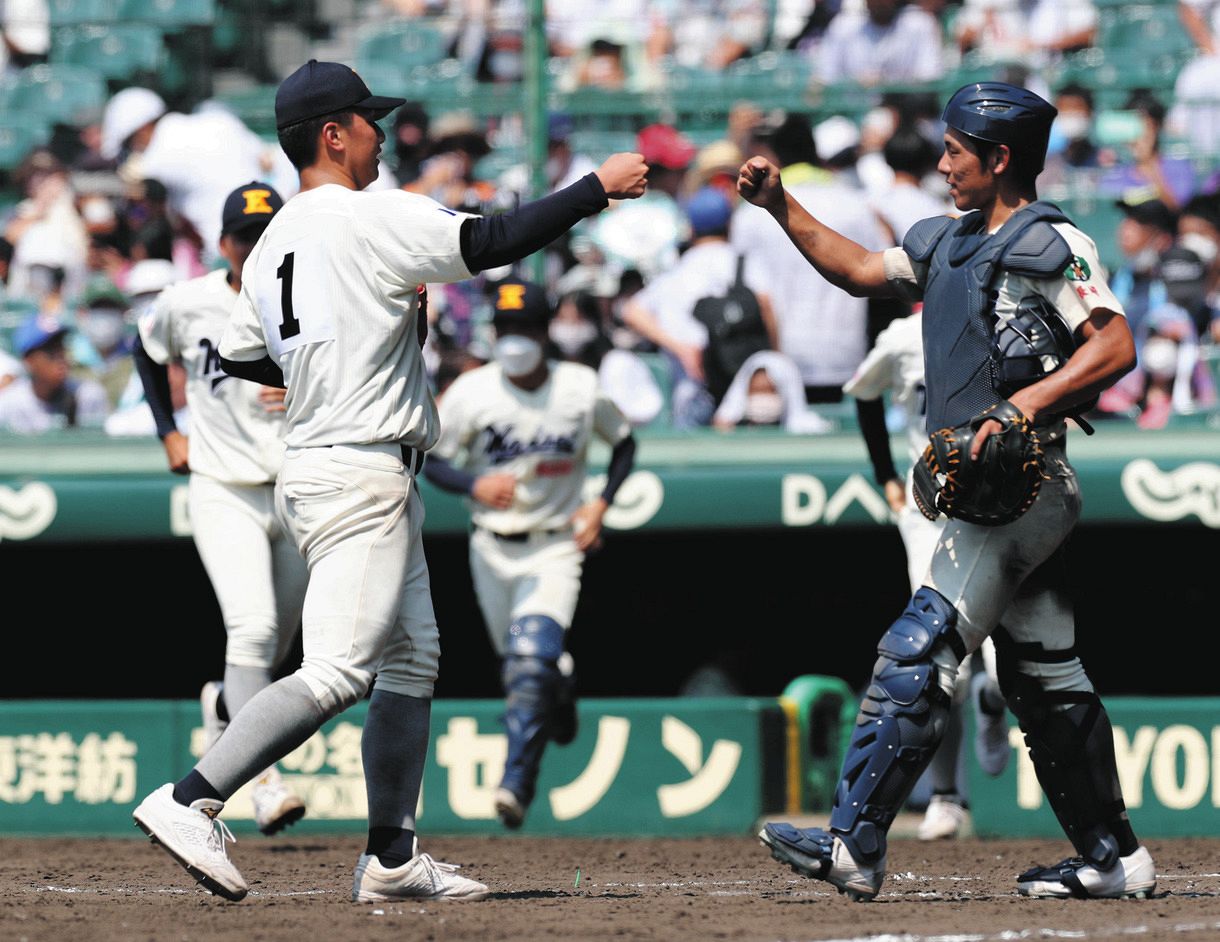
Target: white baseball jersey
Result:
[[330, 292], [234, 439], [542, 436], [895, 365]]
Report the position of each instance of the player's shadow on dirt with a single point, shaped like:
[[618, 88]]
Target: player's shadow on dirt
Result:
[[559, 894], [298, 849]]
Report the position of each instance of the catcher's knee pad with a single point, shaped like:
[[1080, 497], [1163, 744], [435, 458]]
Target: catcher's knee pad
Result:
[[1071, 745], [901, 722], [531, 681]]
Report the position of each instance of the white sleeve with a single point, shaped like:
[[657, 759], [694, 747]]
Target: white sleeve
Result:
[[608, 420], [243, 337], [875, 373], [905, 275], [1083, 288], [455, 432], [156, 328], [416, 238]]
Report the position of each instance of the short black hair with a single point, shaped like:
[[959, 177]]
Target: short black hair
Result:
[[1023, 167], [908, 151], [1145, 100], [300, 141], [792, 140], [1076, 90]]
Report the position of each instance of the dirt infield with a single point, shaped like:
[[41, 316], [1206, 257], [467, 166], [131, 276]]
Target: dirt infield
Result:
[[698, 889]]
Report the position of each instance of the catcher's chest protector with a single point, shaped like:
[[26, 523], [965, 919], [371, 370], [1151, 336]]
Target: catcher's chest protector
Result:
[[964, 265]]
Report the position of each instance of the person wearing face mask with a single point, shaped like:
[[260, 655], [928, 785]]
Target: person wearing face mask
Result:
[[515, 437], [576, 332], [105, 337], [1144, 235]]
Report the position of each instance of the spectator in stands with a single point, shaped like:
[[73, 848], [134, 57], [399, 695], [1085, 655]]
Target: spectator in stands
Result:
[[411, 142], [716, 164], [459, 139], [25, 34], [1072, 154], [837, 143], [1143, 170], [767, 391], [821, 327], [706, 34], [1201, 19], [1147, 230], [1194, 114], [887, 42], [635, 26], [663, 312], [1036, 32], [645, 234], [911, 156], [1199, 232], [45, 229], [577, 330], [196, 156], [6, 259], [47, 397], [104, 338]]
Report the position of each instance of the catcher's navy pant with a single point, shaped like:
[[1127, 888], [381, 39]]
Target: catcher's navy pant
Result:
[[995, 575], [358, 518]]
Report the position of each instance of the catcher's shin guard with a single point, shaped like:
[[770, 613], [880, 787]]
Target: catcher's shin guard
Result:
[[901, 722], [531, 680], [1071, 745]]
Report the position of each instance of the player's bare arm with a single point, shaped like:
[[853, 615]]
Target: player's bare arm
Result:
[[1106, 354], [840, 260], [495, 490], [177, 452], [623, 176]]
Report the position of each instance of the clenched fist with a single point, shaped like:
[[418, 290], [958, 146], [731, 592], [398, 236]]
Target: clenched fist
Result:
[[624, 176], [758, 182]]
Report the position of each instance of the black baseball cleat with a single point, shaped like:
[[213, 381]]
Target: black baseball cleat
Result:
[[1133, 876], [820, 855]]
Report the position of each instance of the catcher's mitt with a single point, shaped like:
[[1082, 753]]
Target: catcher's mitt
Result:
[[994, 489]]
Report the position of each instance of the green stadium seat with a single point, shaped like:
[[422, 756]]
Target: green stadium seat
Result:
[[1099, 218], [254, 106], [117, 52], [59, 94], [403, 44], [18, 136], [1144, 29], [81, 12], [168, 14]]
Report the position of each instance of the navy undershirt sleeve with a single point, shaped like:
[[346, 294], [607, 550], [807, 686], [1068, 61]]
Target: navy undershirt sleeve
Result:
[[440, 472], [154, 377], [503, 238], [264, 371], [871, 416], [622, 459]]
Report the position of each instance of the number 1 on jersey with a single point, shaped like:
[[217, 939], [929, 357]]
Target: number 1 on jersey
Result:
[[290, 326]]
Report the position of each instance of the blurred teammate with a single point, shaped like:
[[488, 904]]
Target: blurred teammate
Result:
[[329, 308], [521, 428], [974, 274], [233, 454]]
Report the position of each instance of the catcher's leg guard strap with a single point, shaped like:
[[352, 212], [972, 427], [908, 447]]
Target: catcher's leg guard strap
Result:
[[1071, 745], [901, 721], [531, 679]]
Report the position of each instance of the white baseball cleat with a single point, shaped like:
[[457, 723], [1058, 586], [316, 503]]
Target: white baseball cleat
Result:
[[991, 732], [421, 877], [1133, 876], [209, 706], [194, 837], [509, 809], [943, 818], [275, 805]]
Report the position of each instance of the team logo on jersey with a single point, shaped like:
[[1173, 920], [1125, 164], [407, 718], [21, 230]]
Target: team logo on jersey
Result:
[[209, 366], [503, 446], [1078, 270]]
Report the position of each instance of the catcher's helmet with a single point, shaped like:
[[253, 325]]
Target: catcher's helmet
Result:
[[1000, 113], [1033, 343]]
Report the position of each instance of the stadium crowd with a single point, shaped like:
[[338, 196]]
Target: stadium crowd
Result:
[[126, 201]]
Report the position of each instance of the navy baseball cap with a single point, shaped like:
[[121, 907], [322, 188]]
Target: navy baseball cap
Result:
[[519, 302], [250, 205], [319, 88]]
